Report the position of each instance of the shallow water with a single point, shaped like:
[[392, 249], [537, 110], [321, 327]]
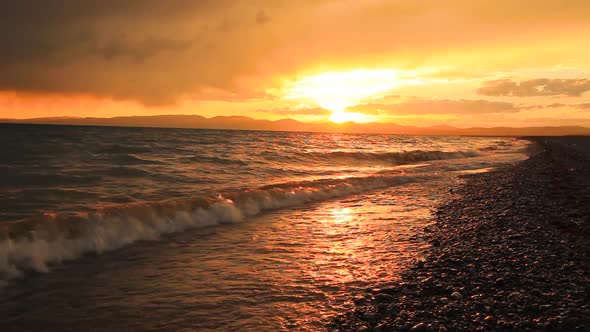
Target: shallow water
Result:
[[251, 243]]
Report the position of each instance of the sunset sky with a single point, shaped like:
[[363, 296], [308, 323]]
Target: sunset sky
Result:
[[419, 62]]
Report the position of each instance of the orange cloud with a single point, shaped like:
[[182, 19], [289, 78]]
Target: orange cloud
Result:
[[288, 111], [417, 106], [536, 87]]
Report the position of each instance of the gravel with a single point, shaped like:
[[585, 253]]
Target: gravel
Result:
[[510, 252]]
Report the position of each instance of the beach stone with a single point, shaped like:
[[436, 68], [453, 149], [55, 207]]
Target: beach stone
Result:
[[407, 291], [515, 255], [405, 327], [383, 327], [381, 307], [420, 327], [370, 316], [536, 292], [384, 298], [390, 291], [515, 297], [360, 301], [490, 320]]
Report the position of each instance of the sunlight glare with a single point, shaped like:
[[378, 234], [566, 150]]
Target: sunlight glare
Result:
[[342, 215], [342, 116], [336, 91]]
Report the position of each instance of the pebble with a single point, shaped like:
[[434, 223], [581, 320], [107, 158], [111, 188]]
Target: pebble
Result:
[[384, 298], [420, 327], [527, 272], [383, 327], [360, 301], [490, 320], [370, 316]]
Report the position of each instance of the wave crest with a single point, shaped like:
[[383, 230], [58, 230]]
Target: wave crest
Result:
[[392, 158], [35, 244]]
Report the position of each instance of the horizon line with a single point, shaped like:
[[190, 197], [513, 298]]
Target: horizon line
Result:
[[331, 123]]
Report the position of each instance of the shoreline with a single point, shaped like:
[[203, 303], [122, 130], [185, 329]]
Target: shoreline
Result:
[[510, 251]]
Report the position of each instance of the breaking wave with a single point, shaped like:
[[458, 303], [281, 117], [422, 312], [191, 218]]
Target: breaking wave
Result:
[[37, 243], [391, 158]]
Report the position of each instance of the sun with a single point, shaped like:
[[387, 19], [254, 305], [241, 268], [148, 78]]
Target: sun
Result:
[[335, 91], [342, 116]]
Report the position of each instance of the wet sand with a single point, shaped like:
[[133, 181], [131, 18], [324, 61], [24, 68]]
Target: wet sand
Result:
[[510, 252]]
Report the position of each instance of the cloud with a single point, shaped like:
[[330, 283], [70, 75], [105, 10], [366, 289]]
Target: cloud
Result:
[[417, 106], [262, 17], [237, 96], [297, 111], [156, 51], [536, 87], [582, 106], [139, 51], [558, 121], [151, 51]]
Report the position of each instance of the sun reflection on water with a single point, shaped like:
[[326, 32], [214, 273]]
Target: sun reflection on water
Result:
[[341, 215]]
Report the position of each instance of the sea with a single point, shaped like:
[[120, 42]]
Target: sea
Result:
[[152, 229]]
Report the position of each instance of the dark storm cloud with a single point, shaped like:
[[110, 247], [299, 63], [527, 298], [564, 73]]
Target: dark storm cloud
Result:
[[536, 87], [149, 50], [38, 28]]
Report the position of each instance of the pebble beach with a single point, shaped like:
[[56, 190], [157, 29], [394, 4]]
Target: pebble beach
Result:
[[509, 252]]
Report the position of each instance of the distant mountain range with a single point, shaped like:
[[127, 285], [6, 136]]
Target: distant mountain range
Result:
[[246, 123]]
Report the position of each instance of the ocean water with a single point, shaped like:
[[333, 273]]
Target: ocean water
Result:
[[173, 229]]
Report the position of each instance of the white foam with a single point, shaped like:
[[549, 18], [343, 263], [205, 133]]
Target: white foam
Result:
[[57, 239]]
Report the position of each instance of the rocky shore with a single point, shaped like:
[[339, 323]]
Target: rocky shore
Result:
[[510, 252]]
